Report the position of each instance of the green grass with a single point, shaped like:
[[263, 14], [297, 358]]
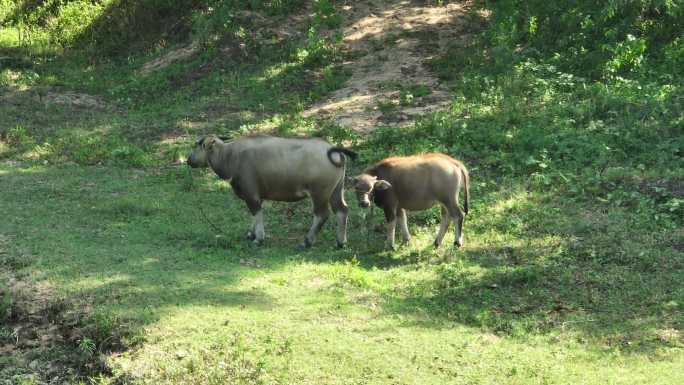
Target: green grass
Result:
[[574, 254], [537, 294]]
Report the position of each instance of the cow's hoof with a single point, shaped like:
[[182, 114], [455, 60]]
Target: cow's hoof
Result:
[[341, 245], [251, 236], [458, 244], [257, 242], [435, 244]]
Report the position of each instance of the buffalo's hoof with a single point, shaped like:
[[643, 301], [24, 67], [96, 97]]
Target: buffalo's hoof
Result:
[[341, 245], [305, 245], [435, 244], [251, 236]]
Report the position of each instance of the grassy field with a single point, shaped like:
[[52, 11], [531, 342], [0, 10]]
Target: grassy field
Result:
[[113, 273]]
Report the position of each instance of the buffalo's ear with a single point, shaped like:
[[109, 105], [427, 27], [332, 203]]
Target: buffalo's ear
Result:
[[382, 185], [209, 142]]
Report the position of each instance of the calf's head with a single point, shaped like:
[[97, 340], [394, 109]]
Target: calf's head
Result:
[[365, 185], [203, 147]]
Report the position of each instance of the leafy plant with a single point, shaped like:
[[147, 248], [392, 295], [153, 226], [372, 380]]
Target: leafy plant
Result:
[[6, 303], [86, 346]]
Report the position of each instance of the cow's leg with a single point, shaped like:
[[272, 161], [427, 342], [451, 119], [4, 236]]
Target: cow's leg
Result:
[[257, 233], [403, 225], [321, 214], [458, 216], [341, 210], [391, 217], [444, 225]]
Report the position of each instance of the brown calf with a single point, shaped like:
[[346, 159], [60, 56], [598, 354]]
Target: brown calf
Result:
[[413, 183]]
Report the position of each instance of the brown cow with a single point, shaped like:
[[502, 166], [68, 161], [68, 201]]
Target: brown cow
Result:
[[268, 168], [416, 182]]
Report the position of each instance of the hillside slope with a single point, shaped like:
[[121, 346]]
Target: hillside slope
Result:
[[391, 44], [118, 265]]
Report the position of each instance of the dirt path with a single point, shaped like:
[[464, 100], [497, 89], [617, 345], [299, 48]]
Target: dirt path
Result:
[[391, 83]]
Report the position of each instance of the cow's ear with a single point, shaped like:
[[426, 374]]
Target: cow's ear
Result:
[[382, 185]]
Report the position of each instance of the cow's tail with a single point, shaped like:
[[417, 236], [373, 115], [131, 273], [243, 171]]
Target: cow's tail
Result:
[[340, 150], [466, 189]]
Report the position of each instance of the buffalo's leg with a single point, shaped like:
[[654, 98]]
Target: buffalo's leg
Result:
[[443, 227], [321, 214], [403, 225], [251, 234], [341, 210], [257, 232]]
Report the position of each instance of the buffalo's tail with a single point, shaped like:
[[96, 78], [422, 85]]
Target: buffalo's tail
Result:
[[343, 151], [466, 189]]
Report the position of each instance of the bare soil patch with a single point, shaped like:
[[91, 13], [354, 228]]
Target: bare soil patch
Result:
[[47, 96], [392, 42]]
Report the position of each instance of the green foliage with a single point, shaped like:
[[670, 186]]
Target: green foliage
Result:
[[119, 27], [588, 37], [86, 346], [5, 309], [7, 8], [72, 21], [18, 137], [325, 14], [90, 148], [217, 19], [96, 148]]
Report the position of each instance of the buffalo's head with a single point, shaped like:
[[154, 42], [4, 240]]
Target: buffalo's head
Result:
[[203, 147]]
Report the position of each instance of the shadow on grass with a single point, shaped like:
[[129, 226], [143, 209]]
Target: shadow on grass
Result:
[[615, 288]]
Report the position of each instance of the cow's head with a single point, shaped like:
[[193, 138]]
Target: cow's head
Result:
[[365, 185], [203, 147]]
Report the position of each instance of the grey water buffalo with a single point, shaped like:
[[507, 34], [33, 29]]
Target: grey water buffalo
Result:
[[280, 169], [412, 183]]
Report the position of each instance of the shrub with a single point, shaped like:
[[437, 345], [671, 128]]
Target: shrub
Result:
[[586, 36]]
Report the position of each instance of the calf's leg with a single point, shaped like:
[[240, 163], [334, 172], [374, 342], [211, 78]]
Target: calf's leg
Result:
[[458, 217], [403, 225], [443, 227], [391, 216], [341, 210]]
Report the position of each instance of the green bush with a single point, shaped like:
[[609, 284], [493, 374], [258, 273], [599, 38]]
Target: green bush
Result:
[[5, 303], [7, 9], [18, 137], [95, 148], [586, 36], [72, 21]]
